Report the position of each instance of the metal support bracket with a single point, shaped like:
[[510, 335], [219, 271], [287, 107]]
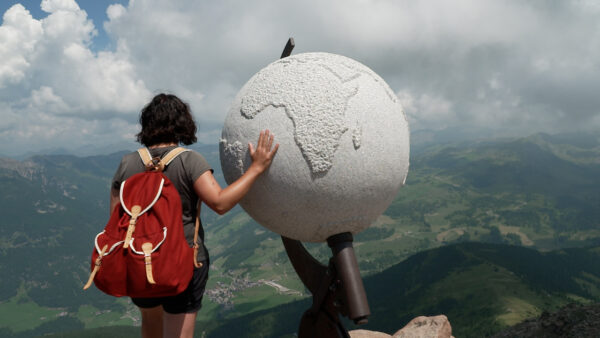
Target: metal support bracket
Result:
[[336, 288]]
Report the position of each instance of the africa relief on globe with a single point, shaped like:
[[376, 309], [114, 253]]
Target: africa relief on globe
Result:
[[343, 145]]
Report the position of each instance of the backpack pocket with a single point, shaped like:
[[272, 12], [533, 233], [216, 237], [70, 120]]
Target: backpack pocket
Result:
[[146, 248], [110, 273]]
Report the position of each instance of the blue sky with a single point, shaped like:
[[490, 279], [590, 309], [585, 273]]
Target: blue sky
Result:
[[75, 74], [95, 9]]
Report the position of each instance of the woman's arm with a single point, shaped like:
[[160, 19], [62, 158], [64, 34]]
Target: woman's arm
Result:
[[222, 200]]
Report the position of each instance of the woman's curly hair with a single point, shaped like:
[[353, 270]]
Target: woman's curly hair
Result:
[[166, 119]]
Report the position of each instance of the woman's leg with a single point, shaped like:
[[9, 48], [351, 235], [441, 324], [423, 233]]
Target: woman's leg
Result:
[[179, 317], [179, 325], [152, 322]]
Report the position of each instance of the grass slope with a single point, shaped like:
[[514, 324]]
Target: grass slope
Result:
[[481, 287], [540, 192]]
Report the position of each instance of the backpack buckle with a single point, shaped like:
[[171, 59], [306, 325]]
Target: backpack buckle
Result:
[[155, 164]]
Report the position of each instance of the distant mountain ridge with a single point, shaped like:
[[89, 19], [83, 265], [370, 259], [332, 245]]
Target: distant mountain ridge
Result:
[[539, 192]]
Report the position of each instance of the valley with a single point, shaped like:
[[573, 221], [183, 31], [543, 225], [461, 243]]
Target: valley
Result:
[[521, 200]]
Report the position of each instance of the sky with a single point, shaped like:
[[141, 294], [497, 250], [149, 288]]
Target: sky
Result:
[[75, 74]]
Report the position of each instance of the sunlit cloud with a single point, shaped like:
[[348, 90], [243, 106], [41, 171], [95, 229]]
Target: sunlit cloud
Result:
[[506, 65]]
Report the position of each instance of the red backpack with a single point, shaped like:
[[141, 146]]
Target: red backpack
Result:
[[142, 251]]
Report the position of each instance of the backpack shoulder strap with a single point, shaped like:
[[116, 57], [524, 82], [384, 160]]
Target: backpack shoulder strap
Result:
[[147, 159], [172, 155], [145, 155]]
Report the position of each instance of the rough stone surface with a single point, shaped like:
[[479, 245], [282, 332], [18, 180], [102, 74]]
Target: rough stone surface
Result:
[[367, 334], [344, 145], [426, 327]]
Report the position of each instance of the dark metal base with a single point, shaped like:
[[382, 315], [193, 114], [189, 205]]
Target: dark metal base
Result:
[[321, 324], [336, 289]]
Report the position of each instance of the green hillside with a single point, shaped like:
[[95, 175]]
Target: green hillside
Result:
[[535, 191], [539, 192], [480, 287]]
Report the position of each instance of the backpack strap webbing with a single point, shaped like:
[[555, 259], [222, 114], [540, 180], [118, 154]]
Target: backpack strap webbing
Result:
[[172, 155], [164, 161], [196, 246], [145, 155]]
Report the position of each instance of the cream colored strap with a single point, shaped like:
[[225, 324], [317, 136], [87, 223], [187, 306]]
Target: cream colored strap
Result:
[[97, 265], [147, 248], [196, 245], [114, 246], [172, 154], [145, 155], [160, 166], [135, 212]]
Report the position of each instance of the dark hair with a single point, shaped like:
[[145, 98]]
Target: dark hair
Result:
[[166, 119]]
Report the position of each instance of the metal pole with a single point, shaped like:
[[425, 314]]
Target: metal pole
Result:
[[347, 269]]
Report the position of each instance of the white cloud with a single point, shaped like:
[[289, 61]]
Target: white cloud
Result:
[[19, 34], [51, 6], [471, 62], [45, 99], [425, 111], [54, 87], [115, 11], [531, 66]]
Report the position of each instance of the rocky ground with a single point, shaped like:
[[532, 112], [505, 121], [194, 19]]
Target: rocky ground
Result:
[[419, 327], [570, 321]]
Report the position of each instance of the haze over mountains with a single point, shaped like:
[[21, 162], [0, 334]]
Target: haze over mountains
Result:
[[540, 192]]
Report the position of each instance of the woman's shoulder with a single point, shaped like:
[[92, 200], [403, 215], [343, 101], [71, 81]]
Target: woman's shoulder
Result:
[[193, 156], [131, 157], [192, 153], [195, 163], [130, 165]]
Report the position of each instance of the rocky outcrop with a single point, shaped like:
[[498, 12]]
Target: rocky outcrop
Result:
[[426, 327], [368, 334], [419, 327]]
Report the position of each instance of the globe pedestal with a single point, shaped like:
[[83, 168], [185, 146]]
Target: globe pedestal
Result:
[[336, 288]]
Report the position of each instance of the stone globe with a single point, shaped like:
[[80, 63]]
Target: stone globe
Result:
[[344, 145]]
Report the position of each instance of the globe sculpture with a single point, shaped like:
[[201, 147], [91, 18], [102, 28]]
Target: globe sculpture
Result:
[[344, 145]]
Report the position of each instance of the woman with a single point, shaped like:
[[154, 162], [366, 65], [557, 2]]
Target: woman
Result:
[[167, 122]]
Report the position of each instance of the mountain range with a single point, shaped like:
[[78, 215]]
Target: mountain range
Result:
[[526, 199]]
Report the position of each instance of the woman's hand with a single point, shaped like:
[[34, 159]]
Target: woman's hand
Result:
[[263, 155], [222, 200]]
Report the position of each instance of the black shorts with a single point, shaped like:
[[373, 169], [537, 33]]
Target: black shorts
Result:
[[189, 301]]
